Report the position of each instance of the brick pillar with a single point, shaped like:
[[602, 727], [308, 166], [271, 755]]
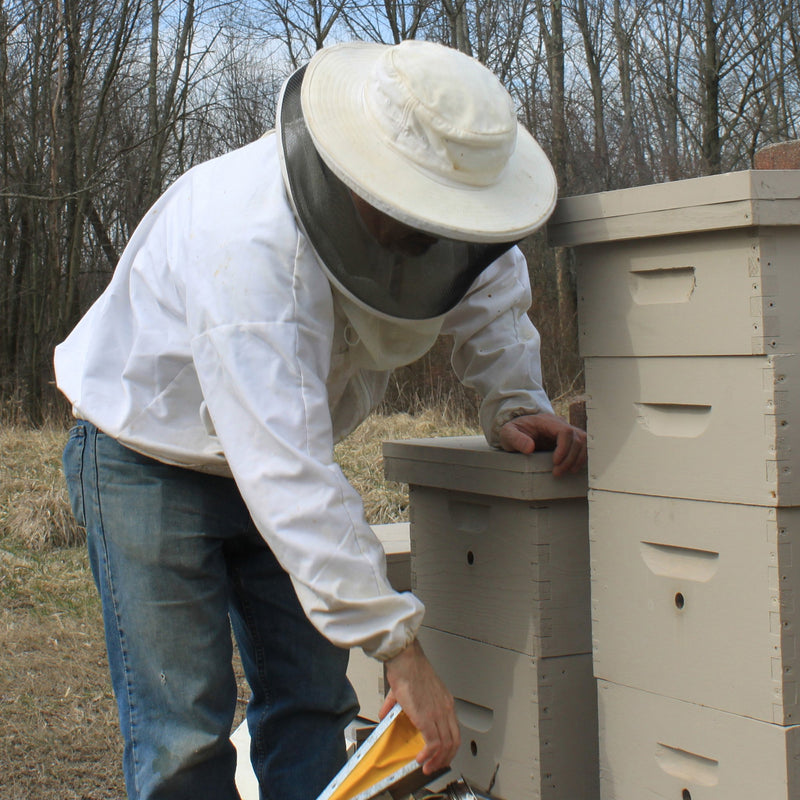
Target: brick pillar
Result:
[[783, 155]]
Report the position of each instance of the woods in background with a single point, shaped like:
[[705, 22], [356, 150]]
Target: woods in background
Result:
[[104, 102]]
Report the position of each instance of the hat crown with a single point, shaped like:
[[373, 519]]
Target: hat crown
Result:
[[443, 111]]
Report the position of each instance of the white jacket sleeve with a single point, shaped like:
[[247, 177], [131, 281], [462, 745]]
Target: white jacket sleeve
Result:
[[261, 319], [496, 346]]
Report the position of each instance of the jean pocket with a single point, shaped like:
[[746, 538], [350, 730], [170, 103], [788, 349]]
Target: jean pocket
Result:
[[72, 461]]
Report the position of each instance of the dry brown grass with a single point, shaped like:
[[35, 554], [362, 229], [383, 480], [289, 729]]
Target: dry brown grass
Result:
[[34, 508], [361, 459], [58, 738]]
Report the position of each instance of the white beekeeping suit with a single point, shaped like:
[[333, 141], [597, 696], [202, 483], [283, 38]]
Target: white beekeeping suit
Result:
[[235, 338]]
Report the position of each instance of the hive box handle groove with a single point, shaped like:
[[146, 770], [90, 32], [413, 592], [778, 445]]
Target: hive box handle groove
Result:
[[651, 287], [473, 716], [678, 420], [672, 561], [690, 767]]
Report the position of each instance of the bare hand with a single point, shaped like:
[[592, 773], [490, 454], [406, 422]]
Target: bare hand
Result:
[[422, 695], [544, 431]]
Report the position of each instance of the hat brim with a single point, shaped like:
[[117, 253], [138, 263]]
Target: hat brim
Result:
[[343, 133]]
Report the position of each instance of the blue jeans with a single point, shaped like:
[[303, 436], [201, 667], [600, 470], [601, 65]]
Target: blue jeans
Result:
[[178, 562]]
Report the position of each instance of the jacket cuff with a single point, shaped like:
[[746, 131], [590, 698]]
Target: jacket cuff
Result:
[[389, 652]]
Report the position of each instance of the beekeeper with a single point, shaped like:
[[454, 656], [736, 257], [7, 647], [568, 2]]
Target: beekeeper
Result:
[[253, 320]]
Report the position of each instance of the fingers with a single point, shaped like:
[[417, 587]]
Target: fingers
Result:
[[454, 739], [388, 704], [545, 431], [428, 704], [440, 748], [439, 728], [442, 739], [514, 440], [508, 438], [570, 452]]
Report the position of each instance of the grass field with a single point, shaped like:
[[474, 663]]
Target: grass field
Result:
[[58, 739]]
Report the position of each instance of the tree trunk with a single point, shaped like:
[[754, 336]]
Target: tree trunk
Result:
[[153, 182], [594, 67], [628, 148], [709, 70], [455, 11], [551, 24]]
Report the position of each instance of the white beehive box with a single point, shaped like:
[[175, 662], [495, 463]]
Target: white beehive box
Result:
[[531, 724], [707, 266], [366, 674], [698, 601], [706, 428], [396, 540], [499, 546], [512, 573], [657, 747]]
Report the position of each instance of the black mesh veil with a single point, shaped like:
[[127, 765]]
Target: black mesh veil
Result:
[[394, 283]]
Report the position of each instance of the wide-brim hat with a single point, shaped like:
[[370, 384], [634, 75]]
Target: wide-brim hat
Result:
[[429, 136]]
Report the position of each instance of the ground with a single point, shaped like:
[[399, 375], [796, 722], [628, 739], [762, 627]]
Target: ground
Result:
[[59, 736]]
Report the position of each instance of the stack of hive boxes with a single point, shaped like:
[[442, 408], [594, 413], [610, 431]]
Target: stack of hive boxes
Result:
[[500, 557], [689, 298]]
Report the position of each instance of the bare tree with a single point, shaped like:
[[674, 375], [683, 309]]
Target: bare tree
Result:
[[549, 14], [731, 42], [627, 17], [457, 16], [390, 21], [29, 50], [709, 58], [659, 57], [303, 28], [104, 102], [94, 54], [246, 95], [590, 22], [165, 103]]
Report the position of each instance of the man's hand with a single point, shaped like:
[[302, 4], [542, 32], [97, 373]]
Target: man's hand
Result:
[[544, 431], [427, 703]]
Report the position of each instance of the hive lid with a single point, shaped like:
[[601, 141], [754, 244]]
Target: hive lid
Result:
[[734, 200], [469, 464]]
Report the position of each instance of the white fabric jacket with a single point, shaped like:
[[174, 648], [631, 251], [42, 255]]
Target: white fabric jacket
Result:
[[217, 346]]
